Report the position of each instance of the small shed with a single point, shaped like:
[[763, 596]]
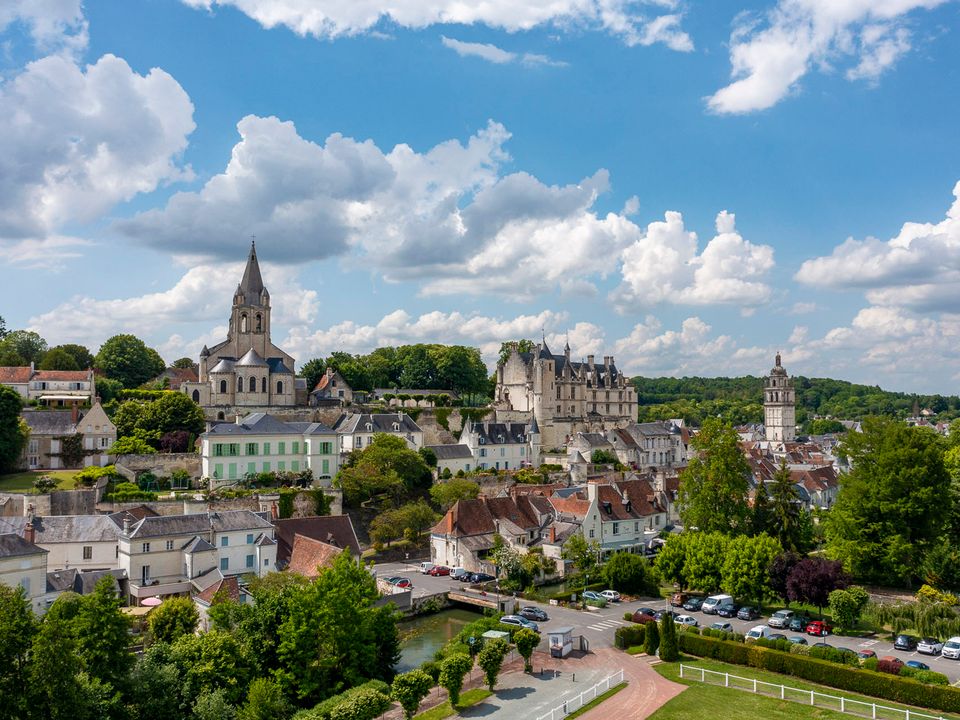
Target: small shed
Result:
[[561, 641], [497, 635]]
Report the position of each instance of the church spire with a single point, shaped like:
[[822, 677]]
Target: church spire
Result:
[[251, 286]]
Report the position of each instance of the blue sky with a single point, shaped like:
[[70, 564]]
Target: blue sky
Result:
[[688, 186]]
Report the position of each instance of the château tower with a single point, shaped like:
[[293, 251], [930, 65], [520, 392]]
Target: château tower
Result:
[[779, 405]]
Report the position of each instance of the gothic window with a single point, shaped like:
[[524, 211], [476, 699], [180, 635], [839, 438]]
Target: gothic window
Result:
[[279, 387], [243, 323], [558, 392], [263, 385], [196, 396], [259, 322], [253, 384], [239, 384], [223, 386]]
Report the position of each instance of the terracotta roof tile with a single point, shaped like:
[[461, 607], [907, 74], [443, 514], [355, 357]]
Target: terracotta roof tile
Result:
[[73, 375], [229, 585], [15, 375], [336, 530], [310, 555]]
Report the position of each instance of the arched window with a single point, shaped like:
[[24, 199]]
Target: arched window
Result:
[[196, 396], [253, 384], [259, 322], [223, 386], [239, 384], [279, 387], [263, 385], [243, 323]]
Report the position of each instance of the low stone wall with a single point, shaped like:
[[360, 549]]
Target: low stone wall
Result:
[[160, 464], [59, 502]]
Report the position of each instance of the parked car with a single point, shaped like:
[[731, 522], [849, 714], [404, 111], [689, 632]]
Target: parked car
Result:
[[845, 650], [930, 646], [757, 632], [688, 620], [426, 567], [531, 612], [819, 627], [822, 644], [679, 599], [713, 604], [728, 611], [658, 615], [748, 612], [866, 654], [776, 636], [481, 578], [594, 597], [918, 665], [644, 614], [519, 621], [438, 571], [905, 642], [611, 595], [798, 623], [693, 604], [723, 626], [892, 659], [460, 574], [798, 640], [951, 648], [780, 619]]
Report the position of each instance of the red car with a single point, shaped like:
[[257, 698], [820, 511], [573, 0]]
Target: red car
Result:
[[818, 627], [438, 570]]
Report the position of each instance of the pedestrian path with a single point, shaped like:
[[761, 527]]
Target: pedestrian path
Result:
[[606, 624]]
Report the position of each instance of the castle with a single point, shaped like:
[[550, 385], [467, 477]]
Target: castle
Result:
[[564, 396], [246, 370]]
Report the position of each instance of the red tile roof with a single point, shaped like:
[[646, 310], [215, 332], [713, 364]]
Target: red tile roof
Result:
[[71, 375], [15, 375], [336, 530], [310, 555], [229, 585]]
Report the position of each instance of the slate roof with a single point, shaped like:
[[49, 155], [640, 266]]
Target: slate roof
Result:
[[224, 366], [74, 528], [277, 366], [381, 422], [264, 424], [50, 422], [134, 515], [198, 544], [15, 375], [312, 428], [251, 285], [225, 521], [251, 359], [494, 433], [309, 555], [451, 452], [82, 583], [595, 440], [334, 530], [12, 545]]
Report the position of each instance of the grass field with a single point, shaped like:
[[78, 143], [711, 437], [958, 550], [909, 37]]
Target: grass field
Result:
[[707, 702], [444, 710], [23, 482]]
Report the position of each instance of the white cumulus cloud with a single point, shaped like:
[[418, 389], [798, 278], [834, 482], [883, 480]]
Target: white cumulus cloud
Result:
[[496, 55], [770, 54], [54, 26]]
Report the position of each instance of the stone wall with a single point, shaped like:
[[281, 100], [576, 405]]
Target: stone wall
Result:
[[160, 464], [59, 502]]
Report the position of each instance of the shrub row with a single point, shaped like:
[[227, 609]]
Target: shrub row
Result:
[[629, 635], [876, 684]]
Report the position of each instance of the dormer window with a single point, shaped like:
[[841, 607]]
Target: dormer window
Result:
[[396, 427], [482, 441], [369, 427]]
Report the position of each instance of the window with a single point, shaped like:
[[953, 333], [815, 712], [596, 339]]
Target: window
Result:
[[88, 552], [325, 467], [253, 384], [223, 386], [483, 452], [224, 564], [234, 449], [279, 387], [468, 467], [326, 448], [266, 562], [616, 528], [281, 448], [243, 323], [295, 466], [359, 441], [558, 410], [145, 547], [522, 451], [251, 448], [296, 448], [266, 448], [591, 533], [251, 467], [282, 465], [558, 392], [145, 575], [224, 541], [266, 467], [218, 470], [104, 443], [259, 323], [239, 384], [218, 450], [249, 561], [196, 396], [169, 545], [263, 385], [503, 452], [34, 446], [636, 527]]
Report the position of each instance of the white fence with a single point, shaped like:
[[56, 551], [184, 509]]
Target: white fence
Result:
[[574, 704], [807, 697]]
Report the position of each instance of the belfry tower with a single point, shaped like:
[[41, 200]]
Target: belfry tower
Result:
[[779, 405]]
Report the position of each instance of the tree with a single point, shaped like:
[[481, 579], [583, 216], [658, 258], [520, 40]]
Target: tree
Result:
[[714, 485], [108, 389], [761, 517], [671, 561], [790, 522], [521, 346], [429, 456], [813, 579], [847, 605], [44, 484], [745, 568], [131, 446], [12, 437], [779, 571], [889, 511], [3, 328], [385, 466], [705, 556], [55, 692], [212, 661], [312, 371], [583, 554], [24, 344], [126, 358], [265, 701], [409, 689], [175, 441], [490, 660], [446, 493], [629, 573], [651, 639], [58, 359], [455, 667], [183, 363], [526, 641], [669, 650], [18, 626], [419, 369], [102, 633], [604, 457], [81, 356], [214, 705], [155, 685], [174, 617]]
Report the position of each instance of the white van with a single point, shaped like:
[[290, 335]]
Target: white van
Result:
[[757, 632], [712, 605], [426, 567]]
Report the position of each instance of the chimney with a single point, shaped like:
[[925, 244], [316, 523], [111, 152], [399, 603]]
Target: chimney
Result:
[[274, 511], [29, 532], [126, 525], [553, 533], [590, 360], [238, 420], [74, 413]]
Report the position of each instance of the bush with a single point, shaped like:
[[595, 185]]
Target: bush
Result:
[[431, 668], [889, 666], [629, 636], [652, 641], [628, 616], [909, 691], [931, 677]]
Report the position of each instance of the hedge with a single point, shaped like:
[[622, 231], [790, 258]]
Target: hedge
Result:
[[629, 635], [843, 677]]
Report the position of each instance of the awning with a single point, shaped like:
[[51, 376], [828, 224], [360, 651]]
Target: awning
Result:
[[81, 398]]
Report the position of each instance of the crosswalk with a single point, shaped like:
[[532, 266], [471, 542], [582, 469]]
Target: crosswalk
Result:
[[606, 624]]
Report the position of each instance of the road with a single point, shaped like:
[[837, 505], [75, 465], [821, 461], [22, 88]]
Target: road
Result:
[[599, 625]]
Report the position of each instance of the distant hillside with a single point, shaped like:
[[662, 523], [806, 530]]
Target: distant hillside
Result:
[[740, 399]]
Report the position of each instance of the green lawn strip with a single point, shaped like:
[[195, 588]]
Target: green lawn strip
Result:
[[597, 700], [635, 650], [672, 671], [445, 710], [23, 482]]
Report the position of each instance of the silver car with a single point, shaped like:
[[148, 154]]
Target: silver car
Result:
[[929, 646], [520, 622]]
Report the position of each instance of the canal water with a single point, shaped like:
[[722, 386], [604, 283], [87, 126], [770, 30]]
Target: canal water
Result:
[[422, 636]]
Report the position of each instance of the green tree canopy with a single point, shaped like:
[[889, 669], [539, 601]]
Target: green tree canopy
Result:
[[25, 345], [174, 617], [671, 561], [409, 689], [790, 520], [12, 429], [183, 363], [706, 553], [151, 419], [59, 359], [889, 511], [377, 467], [629, 573], [490, 660], [312, 370], [126, 358], [583, 554], [714, 485], [746, 564], [18, 625], [446, 493]]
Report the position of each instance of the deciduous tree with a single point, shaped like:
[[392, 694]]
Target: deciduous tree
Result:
[[12, 437], [671, 561], [174, 617], [745, 568], [26, 345], [490, 660], [58, 359], [847, 605], [446, 493], [705, 556], [629, 573], [788, 523], [526, 641], [102, 633], [583, 554], [779, 572], [18, 625], [409, 689], [455, 668], [813, 579], [265, 701], [126, 358]]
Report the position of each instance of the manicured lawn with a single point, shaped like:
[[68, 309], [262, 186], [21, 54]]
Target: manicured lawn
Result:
[[444, 710], [23, 482], [596, 701], [749, 705]]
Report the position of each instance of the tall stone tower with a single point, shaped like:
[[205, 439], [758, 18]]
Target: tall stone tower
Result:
[[779, 405]]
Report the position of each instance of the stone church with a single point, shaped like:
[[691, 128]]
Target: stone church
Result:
[[565, 396], [246, 370]]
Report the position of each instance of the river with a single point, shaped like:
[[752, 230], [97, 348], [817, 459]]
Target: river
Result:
[[422, 636]]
